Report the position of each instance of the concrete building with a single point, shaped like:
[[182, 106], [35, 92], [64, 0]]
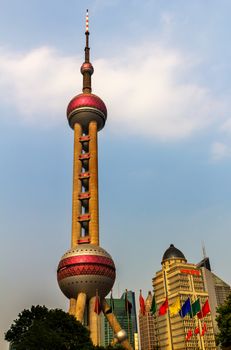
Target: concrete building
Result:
[[127, 322], [180, 280], [86, 272], [147, 329], [218, 290]]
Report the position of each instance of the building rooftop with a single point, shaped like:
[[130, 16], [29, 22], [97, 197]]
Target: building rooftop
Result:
[[173, 253]]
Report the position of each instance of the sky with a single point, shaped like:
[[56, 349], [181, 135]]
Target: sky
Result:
[[163, 69]]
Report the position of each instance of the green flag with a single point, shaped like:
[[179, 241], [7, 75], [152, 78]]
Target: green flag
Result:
[[196, 307], [153, 306]]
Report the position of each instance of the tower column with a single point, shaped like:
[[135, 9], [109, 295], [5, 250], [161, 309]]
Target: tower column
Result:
[[94, 324], [76, 204], [72, 306], [93, 184], [80, 306]]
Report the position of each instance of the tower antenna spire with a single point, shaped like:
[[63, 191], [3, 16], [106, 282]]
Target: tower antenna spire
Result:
[[87, 33], [87, 68]]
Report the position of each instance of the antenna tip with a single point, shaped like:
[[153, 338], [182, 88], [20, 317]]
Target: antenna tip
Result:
[[87, 22]]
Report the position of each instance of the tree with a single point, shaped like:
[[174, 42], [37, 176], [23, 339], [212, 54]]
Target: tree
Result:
[[43, 329], [224, 324]]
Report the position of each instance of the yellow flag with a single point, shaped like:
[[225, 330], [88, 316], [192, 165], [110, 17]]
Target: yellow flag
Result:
[[175, 307]]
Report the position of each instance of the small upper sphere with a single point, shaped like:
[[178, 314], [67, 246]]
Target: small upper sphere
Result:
[[173, 253], [87, 67], [84, 108]]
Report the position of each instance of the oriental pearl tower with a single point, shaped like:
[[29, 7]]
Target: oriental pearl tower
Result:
[[86, 272]]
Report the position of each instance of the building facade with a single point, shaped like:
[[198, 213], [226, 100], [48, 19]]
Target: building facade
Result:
[[147, 329], [179, 279], [218, 290]]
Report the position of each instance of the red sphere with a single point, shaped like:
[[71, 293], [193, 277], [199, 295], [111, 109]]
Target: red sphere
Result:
[[85, 108], [86, 100]]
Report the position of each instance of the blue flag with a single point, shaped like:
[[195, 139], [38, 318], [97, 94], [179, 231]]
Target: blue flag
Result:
[[186, 308]]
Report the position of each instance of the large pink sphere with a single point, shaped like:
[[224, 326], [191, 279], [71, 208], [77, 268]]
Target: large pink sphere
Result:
[[85, 108], [88, 269]]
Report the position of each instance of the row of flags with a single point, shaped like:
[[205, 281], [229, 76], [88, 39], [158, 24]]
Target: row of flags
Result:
[[188, 308], [142, 305]]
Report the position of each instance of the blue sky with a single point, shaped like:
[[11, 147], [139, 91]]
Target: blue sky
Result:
[[163, 69]]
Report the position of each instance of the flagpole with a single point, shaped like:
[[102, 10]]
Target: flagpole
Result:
[[199, 323], [182, 319], [169, 321], [132, 329], [202, 340], [200, 328], [126, 296], [112, 308], [156, 323]]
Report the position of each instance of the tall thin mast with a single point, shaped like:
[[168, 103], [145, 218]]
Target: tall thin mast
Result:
[[87, 68]]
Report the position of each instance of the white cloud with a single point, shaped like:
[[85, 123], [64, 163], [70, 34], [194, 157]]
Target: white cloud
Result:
[[144, 88], [148, 96], [220, 151], [36, 85]]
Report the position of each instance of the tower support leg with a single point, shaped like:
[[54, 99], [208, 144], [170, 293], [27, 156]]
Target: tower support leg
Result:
[[76, 204], [112, 320], [80, 306], [94, 322], [72, 307], [93, 182]]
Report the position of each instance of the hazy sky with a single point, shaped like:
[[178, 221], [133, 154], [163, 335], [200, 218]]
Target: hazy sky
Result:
[[163, 69]]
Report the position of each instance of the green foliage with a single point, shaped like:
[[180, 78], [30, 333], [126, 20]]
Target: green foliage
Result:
[[224, 324], [43, 329], [110, 347]]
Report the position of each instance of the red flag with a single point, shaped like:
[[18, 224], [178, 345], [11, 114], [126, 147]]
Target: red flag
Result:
[[163, 308], [205, 308], [204, 329], [196, 330], [142, 304], [97, 308], [189, 335]]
